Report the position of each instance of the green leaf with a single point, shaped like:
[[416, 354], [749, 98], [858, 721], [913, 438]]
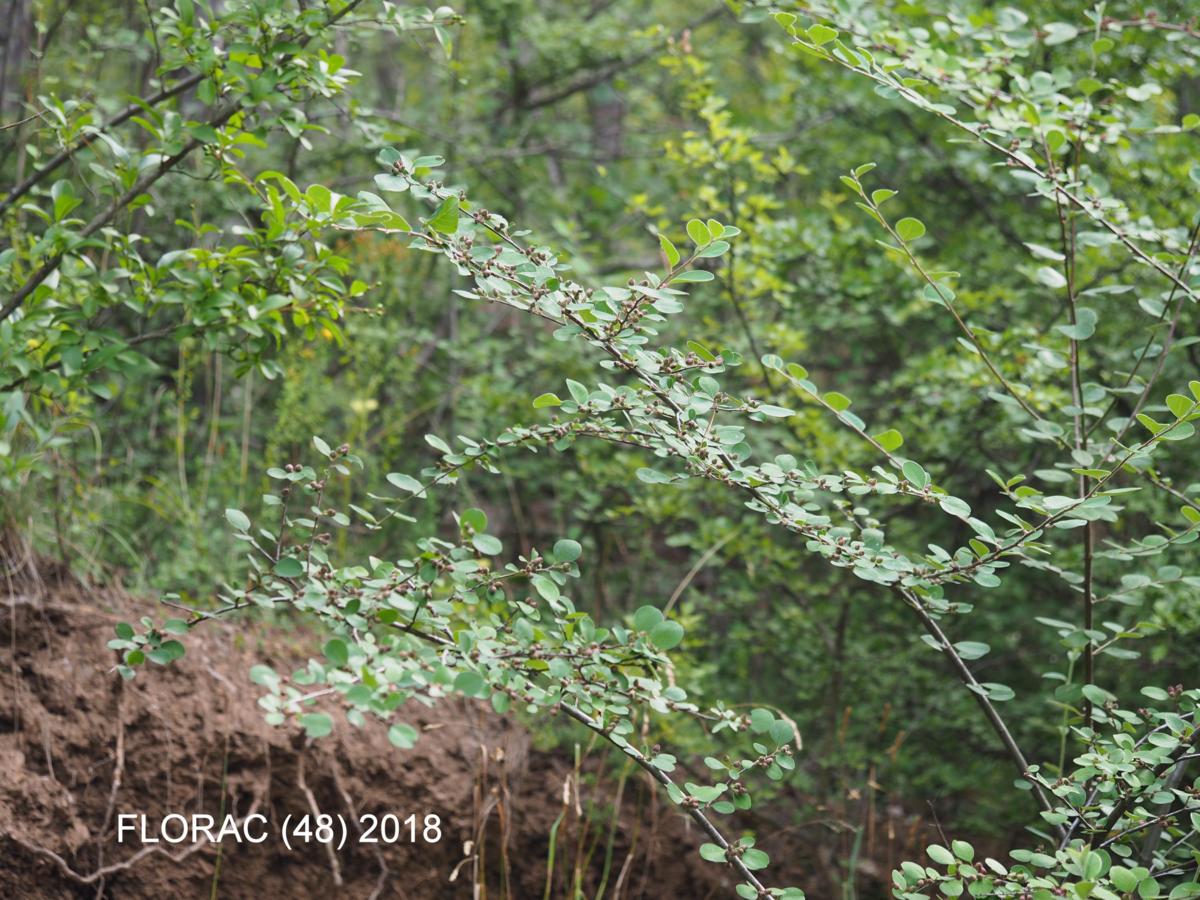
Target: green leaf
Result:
[[567, 550], [781, 732], [755, 859], [1123, 879], [712, 853], [486, 544], [337, 652], [391, 183], [652, 476], [319, 197], [971, 649], [669, 251], [837, 401], [405, 482], [166, 652], [289, 567], [1096, 695], [1179, 405], [705, 793], [775, 412], [475, 519], [1084, 327], [445, 218], [543, 400], [316, 725], [1051, 277], [206, 134], [910, 229], [795, 370], [998, 692], [646, 618], [889, 440], [579, 393], [761, 720], [1044, 252], [698, 232], [263, 675], [1058, 33], [469, 683], [546, 586], [666, 634], [238, 519], [940, 854], [402, 736], [914, 474], [955, 507], [821, 34], [1152, 424], [1180, 432], [664, 762]]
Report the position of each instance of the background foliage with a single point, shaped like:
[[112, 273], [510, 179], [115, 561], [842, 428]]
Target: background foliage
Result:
[[176, 324]]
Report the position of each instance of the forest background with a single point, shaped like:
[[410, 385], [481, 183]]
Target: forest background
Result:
[[168, 335]]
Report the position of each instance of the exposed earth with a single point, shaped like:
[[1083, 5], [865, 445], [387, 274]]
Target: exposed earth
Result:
[[79, 748]]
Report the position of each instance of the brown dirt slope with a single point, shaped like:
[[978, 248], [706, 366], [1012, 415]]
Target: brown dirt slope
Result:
[[78, 747]]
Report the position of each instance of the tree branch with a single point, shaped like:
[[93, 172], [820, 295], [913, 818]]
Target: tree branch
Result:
[[989, 709], [55, 162]]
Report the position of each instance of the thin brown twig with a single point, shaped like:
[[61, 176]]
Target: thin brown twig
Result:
[[104, 871], [989, 709], [1066, 225], [335, 867]]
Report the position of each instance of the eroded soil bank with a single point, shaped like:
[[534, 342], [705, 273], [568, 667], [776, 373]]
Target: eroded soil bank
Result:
[[79, 748]]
